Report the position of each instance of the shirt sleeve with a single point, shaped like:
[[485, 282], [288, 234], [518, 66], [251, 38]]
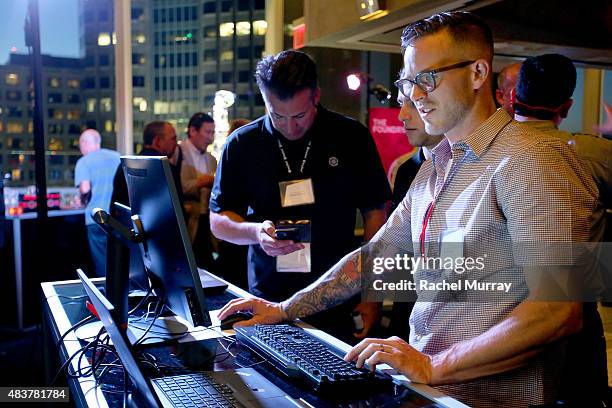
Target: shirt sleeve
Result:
[[228, 192], [81, 172], [372, 184]]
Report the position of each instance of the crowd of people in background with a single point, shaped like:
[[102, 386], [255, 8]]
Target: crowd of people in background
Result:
[[504, 174]]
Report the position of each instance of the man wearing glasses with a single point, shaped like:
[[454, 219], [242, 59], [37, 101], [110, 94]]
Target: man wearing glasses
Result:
[[305, 169], [492, 187]]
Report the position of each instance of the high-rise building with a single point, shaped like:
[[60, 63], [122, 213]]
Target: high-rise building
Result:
[[183, 52], [63, 116]]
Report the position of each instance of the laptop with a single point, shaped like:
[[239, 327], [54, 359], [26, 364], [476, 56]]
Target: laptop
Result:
[[242, 387]]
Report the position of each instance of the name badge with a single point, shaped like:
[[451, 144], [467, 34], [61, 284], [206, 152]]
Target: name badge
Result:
[[298, 261], [451, 243], [296, 192]]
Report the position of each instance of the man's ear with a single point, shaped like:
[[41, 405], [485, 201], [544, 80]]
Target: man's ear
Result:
[[316, 96], [481, 72], [566, 107], [499, 97]]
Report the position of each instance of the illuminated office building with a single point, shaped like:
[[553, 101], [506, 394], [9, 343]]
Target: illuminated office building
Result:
[[63, 117]]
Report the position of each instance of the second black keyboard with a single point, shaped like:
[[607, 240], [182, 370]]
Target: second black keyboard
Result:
[[297, 353]]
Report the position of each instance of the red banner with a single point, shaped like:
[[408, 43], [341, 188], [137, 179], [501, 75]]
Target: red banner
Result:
[[388, 133]]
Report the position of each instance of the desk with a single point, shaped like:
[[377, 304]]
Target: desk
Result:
[[61, 313], [17, 252]]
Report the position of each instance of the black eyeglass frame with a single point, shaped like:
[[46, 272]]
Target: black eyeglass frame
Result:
[[402, 81]]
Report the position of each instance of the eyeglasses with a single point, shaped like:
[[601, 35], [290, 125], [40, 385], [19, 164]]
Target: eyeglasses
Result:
[[426, 80]]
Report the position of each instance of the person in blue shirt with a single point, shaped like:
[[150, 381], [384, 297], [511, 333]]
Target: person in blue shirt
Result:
[[93, 176]]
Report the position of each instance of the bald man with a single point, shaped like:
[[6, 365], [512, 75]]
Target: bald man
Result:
[[93, 176], [506, 81]]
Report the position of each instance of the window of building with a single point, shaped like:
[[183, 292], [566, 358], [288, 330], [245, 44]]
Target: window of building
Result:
[[156, 16], [244, 52], [227, 5], [243, 28], [56, 160], [55, 128], [210, 78], [74, 83], [140, 38], [164, 83], [171, 83], [54, 97], [104, 60], [138, 81], [156, 38], [90, 61], [14, 127], [13, 95], [179, 60], [104, 82], [243, 76], [73, 114], [91, 124], [54, 82], [187, 82], [194, 12], [74, 129], [171, 15], [227, 55], [56, 114], [226, 77], [171, 60], [210, 31], [14, 112], [138, 59], [137, 13], [210, 55], [11, 79], [89, 83], [226, 29], [106, 104], [104, 39], [91, 105], [140, 103], [108, 125], [259, 100], [179, 83], [258, 49], [194, 59], [209, 7], [179, 14], [157, 83], [260, 4], [163, 15], [243, 5], [74, 98], [260, 27], [194, 81]]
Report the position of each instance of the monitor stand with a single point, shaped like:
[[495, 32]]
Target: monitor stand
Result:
[[164, 329]]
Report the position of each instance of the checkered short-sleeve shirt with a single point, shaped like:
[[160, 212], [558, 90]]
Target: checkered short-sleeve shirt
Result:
[[508, 183]]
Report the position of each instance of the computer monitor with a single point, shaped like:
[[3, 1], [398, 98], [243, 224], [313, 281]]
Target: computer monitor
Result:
[[107, 314], [166, 249]]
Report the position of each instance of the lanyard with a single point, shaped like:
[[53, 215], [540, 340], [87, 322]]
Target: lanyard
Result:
[[432, 204], [280, 146]]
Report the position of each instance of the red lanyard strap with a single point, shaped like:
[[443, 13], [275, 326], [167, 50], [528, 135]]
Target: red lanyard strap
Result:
[[426, 218]]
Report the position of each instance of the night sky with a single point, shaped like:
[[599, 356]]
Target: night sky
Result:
[[59, 27]]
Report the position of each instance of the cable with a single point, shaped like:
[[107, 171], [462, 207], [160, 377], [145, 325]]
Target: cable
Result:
[[74, 327]]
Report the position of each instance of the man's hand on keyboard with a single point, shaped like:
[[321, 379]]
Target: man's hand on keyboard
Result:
[[396, 353], [264, 312]]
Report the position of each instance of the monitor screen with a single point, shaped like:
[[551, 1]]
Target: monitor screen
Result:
[[166, 250]]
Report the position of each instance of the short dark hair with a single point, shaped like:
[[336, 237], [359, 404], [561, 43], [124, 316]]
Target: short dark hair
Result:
[[198, 119], [286, 73], [463, 26], [544, 84], [152, 130]]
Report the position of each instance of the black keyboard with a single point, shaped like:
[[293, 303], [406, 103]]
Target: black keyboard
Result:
[[196, 390], [297, 353]]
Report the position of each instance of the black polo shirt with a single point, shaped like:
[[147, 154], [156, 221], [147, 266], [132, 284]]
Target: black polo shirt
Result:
[[346, 173]]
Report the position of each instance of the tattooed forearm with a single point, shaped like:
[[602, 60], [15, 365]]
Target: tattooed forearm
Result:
[[341, 282]]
